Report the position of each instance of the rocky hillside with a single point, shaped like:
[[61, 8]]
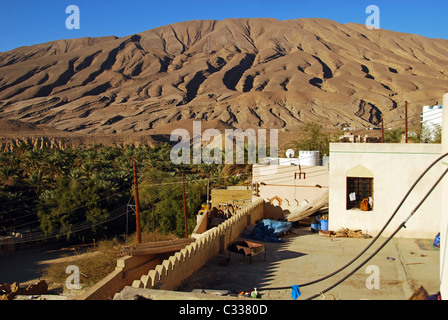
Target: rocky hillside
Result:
[[261, 73]]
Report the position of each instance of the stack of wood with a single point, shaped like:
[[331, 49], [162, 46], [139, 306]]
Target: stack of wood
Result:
[[345, 233]]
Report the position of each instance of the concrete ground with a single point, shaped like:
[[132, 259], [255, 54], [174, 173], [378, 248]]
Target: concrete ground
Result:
[[401, 266]]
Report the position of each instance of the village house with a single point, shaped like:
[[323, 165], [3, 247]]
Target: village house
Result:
[[383, 174], [287, 185]]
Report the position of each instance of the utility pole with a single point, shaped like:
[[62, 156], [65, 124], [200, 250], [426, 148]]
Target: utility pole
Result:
[[208, 191], [137, 206], [382, 129], [406, 122], [185, 207], [127, 224], [153, 220]]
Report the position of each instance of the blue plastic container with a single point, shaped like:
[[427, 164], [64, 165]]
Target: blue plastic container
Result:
[[315, 226], [324, 225]]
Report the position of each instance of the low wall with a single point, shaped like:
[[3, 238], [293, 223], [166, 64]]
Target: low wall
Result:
[[128, 268], [173, 271], [201, 223]]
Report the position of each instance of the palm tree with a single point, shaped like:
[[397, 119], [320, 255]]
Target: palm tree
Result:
[[31, 160], [21, 148], [7, 172], [75, 174], [88, 168], [36, 180]]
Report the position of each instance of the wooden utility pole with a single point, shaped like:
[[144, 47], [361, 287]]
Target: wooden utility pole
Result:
[[406, 122], [382, 129], [153, 220], [185, 207], [137, 206], [208, 191]]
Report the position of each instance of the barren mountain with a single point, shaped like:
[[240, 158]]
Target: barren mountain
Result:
[[261, 73]]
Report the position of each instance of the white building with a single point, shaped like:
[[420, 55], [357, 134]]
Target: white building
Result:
[[444, 207], [431, 120], [288, 184], [432, 115], [383, 173]]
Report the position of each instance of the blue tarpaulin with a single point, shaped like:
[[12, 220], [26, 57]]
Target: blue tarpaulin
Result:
[[437, 241], [269, 230]]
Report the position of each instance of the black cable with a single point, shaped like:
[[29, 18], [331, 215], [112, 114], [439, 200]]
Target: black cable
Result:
[[375, 238], [384, 227], [402, 225]]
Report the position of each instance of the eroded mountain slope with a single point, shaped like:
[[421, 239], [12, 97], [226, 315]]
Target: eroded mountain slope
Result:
[[261, 73]]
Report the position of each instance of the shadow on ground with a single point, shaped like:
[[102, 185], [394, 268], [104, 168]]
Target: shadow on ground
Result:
[[235, 273]]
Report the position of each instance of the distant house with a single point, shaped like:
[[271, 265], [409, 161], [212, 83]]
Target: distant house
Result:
[[431, 119], [432, 115], [348, 137]]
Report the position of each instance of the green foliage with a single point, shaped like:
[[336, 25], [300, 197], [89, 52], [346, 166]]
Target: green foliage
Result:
[[432, 134], [163, 192], [314, 138], [72, 202], [56, 191], [416, 134], [394, 135]]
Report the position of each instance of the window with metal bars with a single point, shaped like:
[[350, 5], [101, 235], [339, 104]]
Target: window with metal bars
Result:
[[359, 189]]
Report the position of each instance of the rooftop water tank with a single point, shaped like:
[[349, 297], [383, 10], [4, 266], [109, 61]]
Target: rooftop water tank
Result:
[[309, 158]]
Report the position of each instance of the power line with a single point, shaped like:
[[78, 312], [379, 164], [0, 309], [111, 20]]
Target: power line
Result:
[[81, 226], [37, 197], [74, 209]]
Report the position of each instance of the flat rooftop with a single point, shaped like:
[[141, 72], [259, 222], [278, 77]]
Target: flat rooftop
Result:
[[403, 265]]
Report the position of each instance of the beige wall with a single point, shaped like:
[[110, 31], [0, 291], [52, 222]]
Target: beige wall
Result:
[[128, 268], [282, 182], [395, 168], [444, 209]]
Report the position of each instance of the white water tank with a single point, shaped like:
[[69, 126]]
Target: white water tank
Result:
[[309, 158]]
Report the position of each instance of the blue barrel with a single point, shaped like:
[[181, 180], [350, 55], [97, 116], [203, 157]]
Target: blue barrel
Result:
[[315, 226], [324, 225]]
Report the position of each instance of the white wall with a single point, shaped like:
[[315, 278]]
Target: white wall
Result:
[[395, 168], [432, 115], [281, 181], [444, 208]]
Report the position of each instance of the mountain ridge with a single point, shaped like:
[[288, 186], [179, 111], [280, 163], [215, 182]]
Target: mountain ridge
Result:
[[258, 73]]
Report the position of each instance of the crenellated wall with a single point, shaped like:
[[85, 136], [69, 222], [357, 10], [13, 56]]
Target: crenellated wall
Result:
[[171, 272]]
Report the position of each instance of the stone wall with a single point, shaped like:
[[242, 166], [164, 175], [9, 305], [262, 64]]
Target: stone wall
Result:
[[173, 271], [128, 268]]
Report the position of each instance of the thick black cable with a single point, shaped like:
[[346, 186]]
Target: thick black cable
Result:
[[375, 238], [384, 227], [402, 225]]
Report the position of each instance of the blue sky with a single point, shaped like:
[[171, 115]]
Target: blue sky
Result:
[[30, 22]]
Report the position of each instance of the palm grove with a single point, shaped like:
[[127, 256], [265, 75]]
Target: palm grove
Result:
[[54, 191]]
